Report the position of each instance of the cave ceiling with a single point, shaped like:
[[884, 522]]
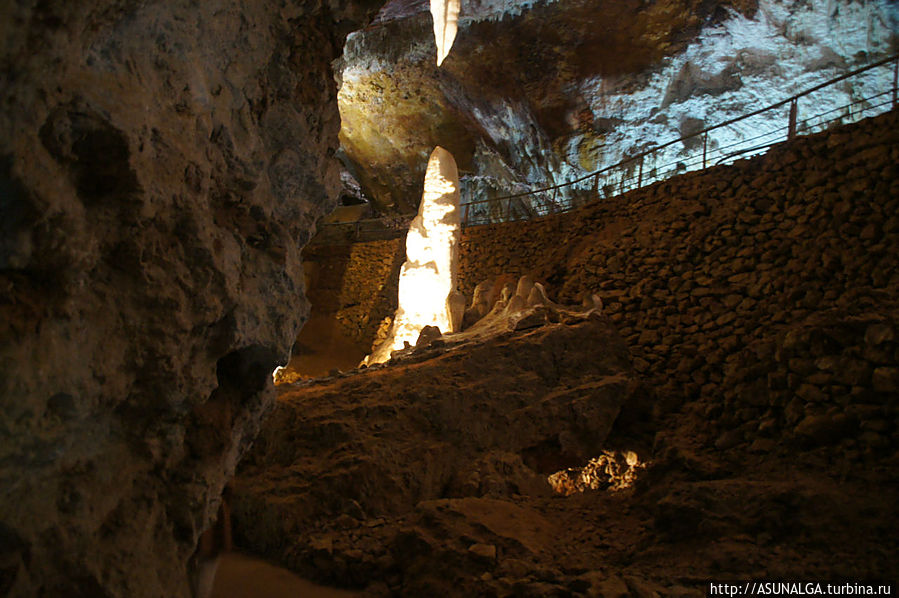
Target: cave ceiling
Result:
[[532, 90]]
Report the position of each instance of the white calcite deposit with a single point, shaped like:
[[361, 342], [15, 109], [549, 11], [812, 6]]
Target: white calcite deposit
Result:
[[428, 277]]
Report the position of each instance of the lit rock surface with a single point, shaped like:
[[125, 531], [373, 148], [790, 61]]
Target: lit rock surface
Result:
[[161, 165], [514, 309], [538, 93], [428, 277]]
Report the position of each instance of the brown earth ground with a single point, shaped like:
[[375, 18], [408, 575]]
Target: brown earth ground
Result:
[[322, 347]]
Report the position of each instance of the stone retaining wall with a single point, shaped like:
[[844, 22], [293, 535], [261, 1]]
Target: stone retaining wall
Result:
[[768, 287]]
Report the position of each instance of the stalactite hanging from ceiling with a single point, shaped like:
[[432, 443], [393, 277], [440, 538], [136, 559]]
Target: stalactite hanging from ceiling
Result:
[[446, 22]]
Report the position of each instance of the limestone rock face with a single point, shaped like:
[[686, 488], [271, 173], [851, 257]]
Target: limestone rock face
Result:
[[161, 165], [761, 310], [540, 93]]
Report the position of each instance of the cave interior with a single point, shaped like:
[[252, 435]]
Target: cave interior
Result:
[[667, 355]]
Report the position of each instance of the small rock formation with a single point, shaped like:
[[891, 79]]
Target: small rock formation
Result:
[[456, 304], [445, 14], [611, 470], [428, 278], [527, 306], [519, 307], [481, 297], [427, 335]]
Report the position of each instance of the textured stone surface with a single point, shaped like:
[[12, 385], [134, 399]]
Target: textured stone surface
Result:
[[356, 285], [161, 165], [727, 284], [709, 254]]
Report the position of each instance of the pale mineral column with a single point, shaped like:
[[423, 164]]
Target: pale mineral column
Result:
[[445, 14], [428, 278]]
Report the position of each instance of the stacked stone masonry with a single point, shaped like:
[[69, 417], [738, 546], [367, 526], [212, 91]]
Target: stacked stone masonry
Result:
[[763, 293], [356, 284]]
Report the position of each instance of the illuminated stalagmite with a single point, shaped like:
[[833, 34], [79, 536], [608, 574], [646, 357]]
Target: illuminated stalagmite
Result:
[[446, 22], [428, 278]]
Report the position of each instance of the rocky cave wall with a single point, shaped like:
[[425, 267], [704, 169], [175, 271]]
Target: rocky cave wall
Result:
[[539, 96], [162, 165], [767, 286], [347, 468]]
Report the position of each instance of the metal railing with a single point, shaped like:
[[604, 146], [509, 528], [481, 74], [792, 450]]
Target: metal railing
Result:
[[361, 231], [643, 168]]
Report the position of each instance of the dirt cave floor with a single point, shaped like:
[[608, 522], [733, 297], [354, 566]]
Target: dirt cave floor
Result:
[[428, 476]]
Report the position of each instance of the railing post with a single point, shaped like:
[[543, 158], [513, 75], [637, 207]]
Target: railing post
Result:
[[791, 132], [509, 210], [705, 145], [596, 185], [465, 215], [640, 174]]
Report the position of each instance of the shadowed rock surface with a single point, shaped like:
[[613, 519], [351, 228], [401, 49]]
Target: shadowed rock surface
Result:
[[163, 163], [459, 428], [161, 166], [429, 478], [242, 576]]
